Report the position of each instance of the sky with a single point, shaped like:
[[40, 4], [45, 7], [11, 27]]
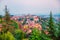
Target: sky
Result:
[[35, 7]]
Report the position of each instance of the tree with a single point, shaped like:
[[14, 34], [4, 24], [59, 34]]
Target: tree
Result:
[[38, 35], [59, 29], [35, 35], [31, 19], [7, 15], [24, 21], [59, 22], [0, 18], [7, 20], [7, 36], [53, 28], [44, 25], [19, 34], [51, 25]]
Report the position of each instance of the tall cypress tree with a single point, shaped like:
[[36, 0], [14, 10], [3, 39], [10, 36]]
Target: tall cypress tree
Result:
[[51, 26], [7, 19], [51, 21], [7, 15]]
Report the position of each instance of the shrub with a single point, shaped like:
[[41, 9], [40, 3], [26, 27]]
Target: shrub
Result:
[[38, 35], [18, 34], [7, 36]]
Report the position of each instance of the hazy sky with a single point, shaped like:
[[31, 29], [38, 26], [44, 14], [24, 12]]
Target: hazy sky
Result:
[[18, 7]]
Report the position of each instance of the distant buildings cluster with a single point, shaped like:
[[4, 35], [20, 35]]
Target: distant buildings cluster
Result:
[[28, 22]]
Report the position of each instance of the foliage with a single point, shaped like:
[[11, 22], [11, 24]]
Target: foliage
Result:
[[7, 36], [0, 18], [51, 25], [38, 35], [35, 35], [53, 28], [7, 15], [31, 19], [24, 21], [44, 24], [15, 24], [20, 19], [43, 36], [18, 34], [58, 29]]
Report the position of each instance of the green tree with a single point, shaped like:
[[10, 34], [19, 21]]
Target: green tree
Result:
[[19, 34], [24, 21], [44, 25], [53, 28], [35, 35], [7, 19], [0, 18], [51, 25], [59, 22], [38, 35], [59, 29], [7, 15], [7, 36], [31, 19]]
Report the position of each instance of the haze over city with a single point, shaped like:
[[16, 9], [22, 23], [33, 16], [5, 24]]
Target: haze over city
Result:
[[19, 7]]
